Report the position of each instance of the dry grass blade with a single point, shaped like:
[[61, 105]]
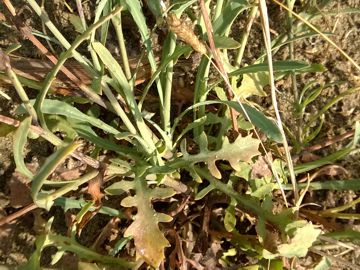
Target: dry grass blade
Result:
[[10, 7], [267, 40], [185, 33], [215, 52], [25, 210], [27, 33]]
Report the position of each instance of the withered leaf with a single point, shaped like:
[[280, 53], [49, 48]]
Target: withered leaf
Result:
[[149, 240], [185, 33]]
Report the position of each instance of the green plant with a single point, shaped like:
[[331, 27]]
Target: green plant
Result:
[[148, 153]]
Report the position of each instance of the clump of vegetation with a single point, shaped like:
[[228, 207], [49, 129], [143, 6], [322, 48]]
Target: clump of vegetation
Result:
[[192, 176]]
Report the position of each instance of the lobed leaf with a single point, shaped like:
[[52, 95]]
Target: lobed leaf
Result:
[[242, 149], [144, 229]]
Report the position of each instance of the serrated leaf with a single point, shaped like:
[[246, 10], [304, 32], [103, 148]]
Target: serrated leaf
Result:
[[244, 172], [300, 243], [243, 149], [119, 188], [162, 193], [149, 240], [129, 201]]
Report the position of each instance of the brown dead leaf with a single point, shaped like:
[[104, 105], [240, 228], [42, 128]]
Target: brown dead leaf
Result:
[[185, 33], [94, 188], [332, 170], [308, 157], [19, 190], [19, 187], [261, 168], [242, 149], [2, 17], [71, 174]]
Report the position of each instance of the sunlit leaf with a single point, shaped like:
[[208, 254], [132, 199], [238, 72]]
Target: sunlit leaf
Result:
[[76, 22], [20, 139], [222, 42], [233, 8], [149, 240], [302, 240], [252, 84], [58, 107], [70, 245], [242, 149]]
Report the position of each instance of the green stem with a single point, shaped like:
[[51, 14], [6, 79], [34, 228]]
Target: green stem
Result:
[[200, 93], [68, 244], [244, 38], [47, 200], [22, 94], [66, 55], [249, 204], [116, 21], [290, 21], [168, 79], [118, 109], [48, 167]]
